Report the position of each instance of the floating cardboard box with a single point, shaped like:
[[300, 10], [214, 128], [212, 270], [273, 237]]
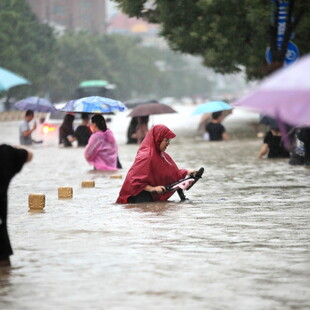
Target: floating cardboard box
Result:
[[36, 201], [65, 192], [88, 183]]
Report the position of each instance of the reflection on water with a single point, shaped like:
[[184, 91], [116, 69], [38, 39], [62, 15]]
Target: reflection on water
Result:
[[241, 241]]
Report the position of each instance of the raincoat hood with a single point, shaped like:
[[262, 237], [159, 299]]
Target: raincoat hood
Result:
[[151, 167], [154, 138]]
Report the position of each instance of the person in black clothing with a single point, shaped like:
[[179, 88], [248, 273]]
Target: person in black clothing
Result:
[[131, 130], [215, 130], [66, 131], [298, 150], [83, 132], [273, 145], [304, 136], [12, 161]]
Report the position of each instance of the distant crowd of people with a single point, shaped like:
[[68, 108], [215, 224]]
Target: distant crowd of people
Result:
[[101, 148]]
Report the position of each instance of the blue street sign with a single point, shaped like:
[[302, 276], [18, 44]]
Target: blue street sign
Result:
[[282, 21], [291, 55]]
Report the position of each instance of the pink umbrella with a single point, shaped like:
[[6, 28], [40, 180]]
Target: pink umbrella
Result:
[[284, 95]]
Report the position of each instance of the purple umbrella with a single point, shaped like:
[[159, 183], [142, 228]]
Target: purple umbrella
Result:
[[284, 95], [36, 104]]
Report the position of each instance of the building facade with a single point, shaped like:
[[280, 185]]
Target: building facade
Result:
[[75, 15]]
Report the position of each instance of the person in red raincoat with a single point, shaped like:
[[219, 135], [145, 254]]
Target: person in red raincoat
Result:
[[152, 169]]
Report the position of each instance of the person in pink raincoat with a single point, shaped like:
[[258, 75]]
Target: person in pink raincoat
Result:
[[101, 150]]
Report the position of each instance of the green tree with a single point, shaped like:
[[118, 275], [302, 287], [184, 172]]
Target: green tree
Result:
[[123, 61], [137, 70], [133, 65], [79, 57], [26, 46], [82, 56], [227, 34]]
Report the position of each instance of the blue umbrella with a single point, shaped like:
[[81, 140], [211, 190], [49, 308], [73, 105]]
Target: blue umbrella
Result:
[[94, 104], [212, 106], [9, 79], [36, 104]]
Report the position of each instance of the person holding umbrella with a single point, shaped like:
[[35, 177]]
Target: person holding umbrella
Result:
[[66, 131], [132, 130], [101, 150], [152, 170], [273, 145], [141, 129], [138, 128], [215, 131], [83, 132], [30, 105], [24, 129]]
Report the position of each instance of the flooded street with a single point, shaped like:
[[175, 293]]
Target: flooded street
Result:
[[241, 241]]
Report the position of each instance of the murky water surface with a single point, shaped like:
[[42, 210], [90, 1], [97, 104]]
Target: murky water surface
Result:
[[241, 241]]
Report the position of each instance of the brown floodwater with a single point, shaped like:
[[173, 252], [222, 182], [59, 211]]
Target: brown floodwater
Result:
[[241, 241]]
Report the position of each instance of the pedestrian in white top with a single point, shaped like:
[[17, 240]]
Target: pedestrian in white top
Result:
[[24, 129]]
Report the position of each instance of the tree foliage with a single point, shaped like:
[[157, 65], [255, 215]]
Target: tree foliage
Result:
[[122, 61], [26, 46], [56, 65], [226, 33]]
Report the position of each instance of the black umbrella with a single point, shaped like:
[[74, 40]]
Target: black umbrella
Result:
[[130, 104], [150, 109]]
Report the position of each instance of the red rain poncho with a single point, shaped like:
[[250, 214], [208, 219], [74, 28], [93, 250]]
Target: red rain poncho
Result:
[[151, 167]]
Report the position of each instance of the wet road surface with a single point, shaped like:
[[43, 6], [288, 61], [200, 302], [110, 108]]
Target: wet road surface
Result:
[[241, 241]]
